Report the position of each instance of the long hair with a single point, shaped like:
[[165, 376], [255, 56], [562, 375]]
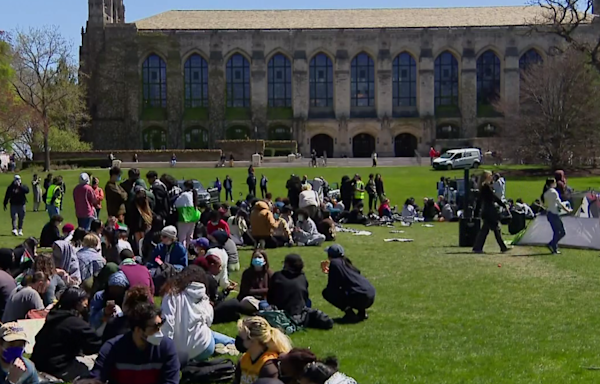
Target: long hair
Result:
[[134, 296], [549, 182], [45, 263], [78, 236], [179, 282], [259, 329], [484, 179], [262, 253], [70, 299], [141, 203]]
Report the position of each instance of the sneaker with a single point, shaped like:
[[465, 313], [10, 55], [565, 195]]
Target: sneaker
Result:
[[350, 317], [20, 232], [552, 249], [506, 249], [478, 251], [14, 232]]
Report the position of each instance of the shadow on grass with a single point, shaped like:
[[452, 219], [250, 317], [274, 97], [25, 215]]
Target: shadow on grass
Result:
[[533, 254]]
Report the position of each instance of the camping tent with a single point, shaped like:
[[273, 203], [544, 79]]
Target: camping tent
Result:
[[582, 228]]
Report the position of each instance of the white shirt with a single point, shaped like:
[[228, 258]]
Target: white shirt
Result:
[[409, 211], [552, 201], [223, 276], [308, 199], [499, 187]]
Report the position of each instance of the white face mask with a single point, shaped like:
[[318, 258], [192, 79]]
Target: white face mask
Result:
[[156, 338]]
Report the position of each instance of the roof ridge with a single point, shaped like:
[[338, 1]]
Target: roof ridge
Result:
[[348, 9]]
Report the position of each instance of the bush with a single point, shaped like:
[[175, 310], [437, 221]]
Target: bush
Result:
[[73, 163]]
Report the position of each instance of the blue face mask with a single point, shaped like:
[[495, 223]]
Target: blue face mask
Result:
[[276, 216], [119, 178], [258, 262], [11, 354]]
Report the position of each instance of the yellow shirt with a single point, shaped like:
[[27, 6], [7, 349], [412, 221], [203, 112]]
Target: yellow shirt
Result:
[[250, 370]]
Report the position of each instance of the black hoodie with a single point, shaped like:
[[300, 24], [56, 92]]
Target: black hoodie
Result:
[[288, 291], [62, 338]]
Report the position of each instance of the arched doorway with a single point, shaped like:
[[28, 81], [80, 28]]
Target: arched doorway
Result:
[[322, 143], [363, 145], [405, 145], [154, 138], [196, 138], [237, 132]]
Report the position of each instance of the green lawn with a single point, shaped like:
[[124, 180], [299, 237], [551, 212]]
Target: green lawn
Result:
[[442, 314]]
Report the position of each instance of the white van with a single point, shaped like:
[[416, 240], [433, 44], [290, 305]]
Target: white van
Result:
[[458, 158]]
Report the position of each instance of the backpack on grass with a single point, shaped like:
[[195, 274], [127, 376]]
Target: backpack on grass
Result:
[[279, 319], [208, 372]]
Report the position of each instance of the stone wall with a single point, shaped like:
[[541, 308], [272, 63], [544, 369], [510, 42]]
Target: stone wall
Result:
[[241, 149], [143, 156]]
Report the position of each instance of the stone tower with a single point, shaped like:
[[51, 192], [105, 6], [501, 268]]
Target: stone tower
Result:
[[102, 12]]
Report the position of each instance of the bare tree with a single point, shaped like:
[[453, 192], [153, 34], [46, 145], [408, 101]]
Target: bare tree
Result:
[[571, 20], [46, 80], [558, 113]]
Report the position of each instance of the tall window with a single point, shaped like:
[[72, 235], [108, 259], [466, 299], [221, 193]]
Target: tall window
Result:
[[154, 138], [196, 82], [321, 81], [238, 82], [154, 79], [196, 138], [446, 80], [404, 78], [530, 57], [362, 93], [280, 81], [488, 78]]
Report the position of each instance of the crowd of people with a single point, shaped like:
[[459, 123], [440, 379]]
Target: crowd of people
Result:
[[97, 286]]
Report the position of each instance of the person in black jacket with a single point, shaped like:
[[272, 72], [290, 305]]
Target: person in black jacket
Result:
[[346, 288], [16, 195], [162, 206], [288, 289], [486, 204], [379, 187], [294, 187], [251, 181], [346, 192], [64, 336], [50, 232]]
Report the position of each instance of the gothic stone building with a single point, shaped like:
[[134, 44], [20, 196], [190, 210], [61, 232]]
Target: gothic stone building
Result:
[[347, 82]]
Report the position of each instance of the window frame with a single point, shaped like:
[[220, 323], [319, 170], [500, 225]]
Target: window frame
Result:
[[488, 90], [286, 82], [231, 82], [314, 95], [454, 80], [355, 67], [190, 99], [148, 84], [398, 84]]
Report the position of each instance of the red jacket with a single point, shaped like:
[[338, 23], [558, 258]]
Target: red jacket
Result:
[[210, 227], [432, 153]]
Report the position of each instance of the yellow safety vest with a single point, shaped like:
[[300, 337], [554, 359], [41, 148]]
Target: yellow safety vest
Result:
[[50, 195], [359, 195]]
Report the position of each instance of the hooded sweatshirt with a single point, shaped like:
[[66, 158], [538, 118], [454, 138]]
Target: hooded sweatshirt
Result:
[[262, 221], [62, 338], [186, 208], [68, 261], [188, 317], [288, 291], [85, 198]]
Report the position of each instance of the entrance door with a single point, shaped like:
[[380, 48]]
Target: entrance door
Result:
[[363, 145], [322, 143], [405, 145]]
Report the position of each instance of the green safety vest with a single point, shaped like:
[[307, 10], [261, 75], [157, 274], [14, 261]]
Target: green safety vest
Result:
[[50, 195], [359, 195]]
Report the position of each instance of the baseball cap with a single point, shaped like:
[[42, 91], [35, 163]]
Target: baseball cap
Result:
[[17, 177], [68, 228], [12, 332], [169, 231], [335, 251], [201, 242]]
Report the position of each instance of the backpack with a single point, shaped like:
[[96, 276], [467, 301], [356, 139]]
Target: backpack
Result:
[[279, 319], [161, 274], [206, 372]]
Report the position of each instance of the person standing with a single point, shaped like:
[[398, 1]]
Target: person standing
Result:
[[37, 192], [162, 205], [251, 182], [374, 158], [263, 186], [359, 191], [551, 198], [372, 192], [99, 192], [173, 160], [228, 185], [432, 155], [47, 184], [85, 202], [188, 214], [379, 188], [116, 196], [231, 159], [16, 195], [219, 187], [54, 197], [486, 204]]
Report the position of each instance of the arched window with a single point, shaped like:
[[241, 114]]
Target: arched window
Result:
[[447, 131], [280, 81], [321, 81], [154, 79], [196, 82], [362, 93], [238, 132], [196, 138], [154, 138], [487, 130], [238, 82], [530, 57], [446, 80], [488, 78], [404, 78]]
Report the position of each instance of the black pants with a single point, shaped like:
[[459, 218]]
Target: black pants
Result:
[[270, 241], [372, 202], [343, 300], [489, 225], [228, 195], [227, 311], [263, 191], [347, 204], [252, 190], [73, 371], [356, 202]]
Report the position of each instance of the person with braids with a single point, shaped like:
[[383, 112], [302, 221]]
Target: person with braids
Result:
[[264, 344], [65, 334], [346, 288], [188, 316], [325, 372]]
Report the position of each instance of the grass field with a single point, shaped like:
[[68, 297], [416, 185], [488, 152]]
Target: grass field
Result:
[[442, 314]]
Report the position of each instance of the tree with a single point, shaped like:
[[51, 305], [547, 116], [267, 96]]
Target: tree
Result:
[[46, 80], [14, 118], [5, 58], [571, 20], [558, 115]]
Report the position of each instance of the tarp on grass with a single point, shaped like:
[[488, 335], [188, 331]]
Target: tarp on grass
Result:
[[582, 232]]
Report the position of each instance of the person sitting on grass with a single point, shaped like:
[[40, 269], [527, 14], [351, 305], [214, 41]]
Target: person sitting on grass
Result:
[[170, 250], [188, 316], [26, 297], [409, 211], [15, 368], [64, 336], [263, 345], [293, 363], [325, 372], [51, 232], [263, 224], [384, 209], [327, 226], [223, 241], [306, 232], [346, 288], [215, 222], [288, 288], [108, 302], [141, 356], [119, 324], [45, 263], [90, 260], [255, 279]]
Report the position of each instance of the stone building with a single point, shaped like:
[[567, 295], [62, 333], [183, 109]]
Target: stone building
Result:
[[347, 82]]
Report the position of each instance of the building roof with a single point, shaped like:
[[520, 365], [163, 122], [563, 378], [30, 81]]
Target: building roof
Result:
[[343, 18]]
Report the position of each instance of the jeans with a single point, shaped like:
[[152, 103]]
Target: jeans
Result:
[[558, 229], [228, 195], [17, 215], [218, 338], [98, 210], [85, 222], [53, 210]]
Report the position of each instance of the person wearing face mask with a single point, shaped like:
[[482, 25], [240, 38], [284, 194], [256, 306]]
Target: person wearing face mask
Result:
[[223, 241], [16, 196], [26, 297], [255, 279], [65, 334], [215, 223], [116, 196], [170, 251], [306, 232], [141, 356], [14, 368]]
